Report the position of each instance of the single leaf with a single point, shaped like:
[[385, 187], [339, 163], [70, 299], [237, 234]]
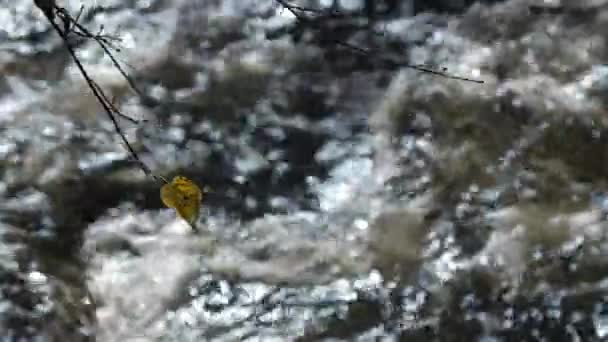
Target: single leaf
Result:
[[184, 196]]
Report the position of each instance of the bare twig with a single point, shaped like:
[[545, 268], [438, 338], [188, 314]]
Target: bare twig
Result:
[[416, 67], [103, 42], [52, 11], [303, 16], [295, 8]]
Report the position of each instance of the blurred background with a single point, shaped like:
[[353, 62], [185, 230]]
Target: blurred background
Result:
[[351, 199]]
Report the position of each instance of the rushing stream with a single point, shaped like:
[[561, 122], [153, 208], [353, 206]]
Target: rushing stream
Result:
[[347, 200]]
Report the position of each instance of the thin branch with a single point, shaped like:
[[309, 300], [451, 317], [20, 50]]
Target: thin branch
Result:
[[103, 42], [110, 103], [301, 15], [102, 100], [416, 67], [52, 11], [296, 8]]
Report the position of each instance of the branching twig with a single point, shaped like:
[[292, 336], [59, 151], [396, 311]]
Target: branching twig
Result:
[[303, 16], [102, 40], [70, 25]]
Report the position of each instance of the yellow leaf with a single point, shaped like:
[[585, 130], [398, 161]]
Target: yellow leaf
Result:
[[184, 196]]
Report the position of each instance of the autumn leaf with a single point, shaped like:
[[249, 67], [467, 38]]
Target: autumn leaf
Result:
[[184, 196]]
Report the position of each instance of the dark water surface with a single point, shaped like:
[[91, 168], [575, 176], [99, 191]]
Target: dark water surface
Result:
[[348, 201]]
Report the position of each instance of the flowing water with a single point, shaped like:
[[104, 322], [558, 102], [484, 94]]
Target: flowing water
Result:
[[347, 200]]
